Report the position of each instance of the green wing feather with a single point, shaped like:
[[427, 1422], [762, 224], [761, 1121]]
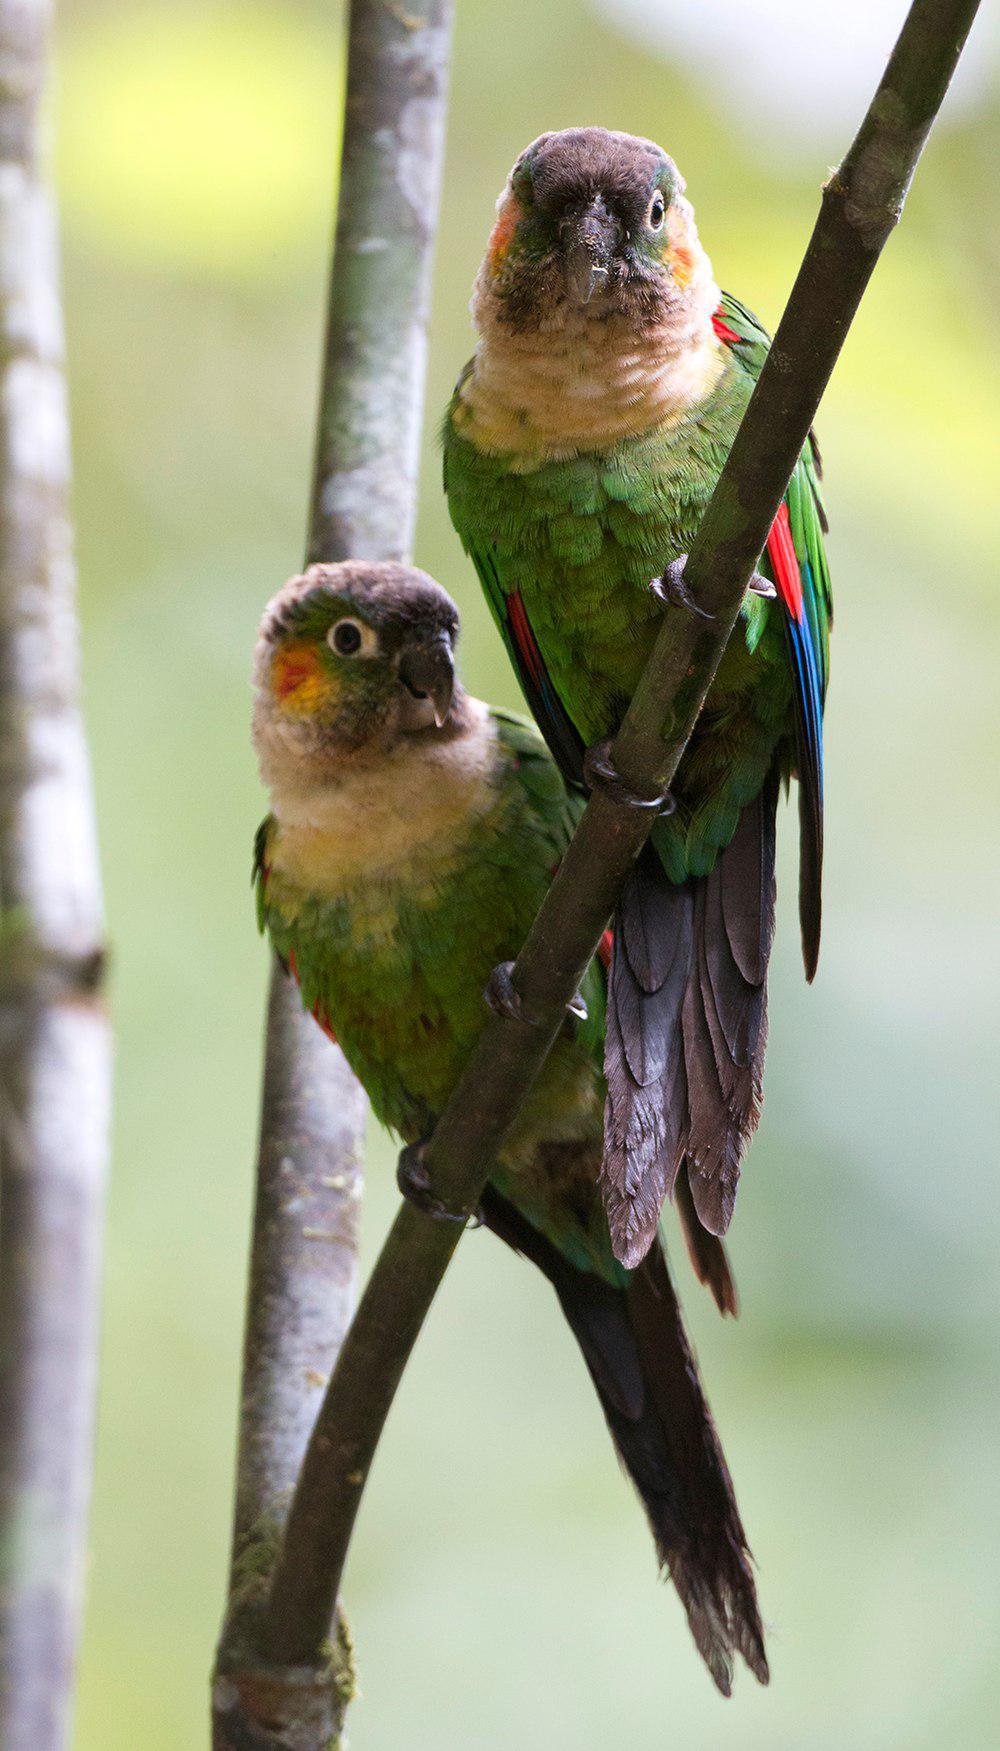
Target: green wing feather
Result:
[[795, 560], [505, 605], [804, 498], [557, 808]]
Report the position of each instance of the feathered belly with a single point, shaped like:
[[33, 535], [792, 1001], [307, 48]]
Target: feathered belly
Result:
[[406, 1021]]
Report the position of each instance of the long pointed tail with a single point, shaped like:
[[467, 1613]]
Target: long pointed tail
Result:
[[686, 1031], [635, 1346]]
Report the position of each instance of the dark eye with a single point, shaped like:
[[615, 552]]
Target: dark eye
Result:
[[347, 637], [657, 211]]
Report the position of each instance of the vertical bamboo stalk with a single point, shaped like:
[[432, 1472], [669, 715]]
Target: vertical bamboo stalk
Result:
[[309, 1177], [55, 1046]]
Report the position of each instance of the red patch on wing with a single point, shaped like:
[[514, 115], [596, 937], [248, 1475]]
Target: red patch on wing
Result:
[[785, 564], [317, 1011], [321, 1016], [604, 948], [727, 335], [524, 638]]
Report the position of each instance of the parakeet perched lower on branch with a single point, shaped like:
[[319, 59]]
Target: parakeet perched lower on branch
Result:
[[412, 836], [580, 448]]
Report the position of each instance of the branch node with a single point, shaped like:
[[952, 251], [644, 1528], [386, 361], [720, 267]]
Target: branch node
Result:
[[263, 1705]]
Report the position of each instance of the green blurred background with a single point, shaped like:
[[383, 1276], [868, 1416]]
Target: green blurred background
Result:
[[502, 1589]]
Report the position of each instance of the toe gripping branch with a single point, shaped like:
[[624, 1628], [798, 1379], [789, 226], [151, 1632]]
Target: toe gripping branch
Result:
[[412, 1176], [671, 589], [503, 998], [601, 773], [415, 1184]]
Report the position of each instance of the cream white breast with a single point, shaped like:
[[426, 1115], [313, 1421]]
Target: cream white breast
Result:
[[401, 815]]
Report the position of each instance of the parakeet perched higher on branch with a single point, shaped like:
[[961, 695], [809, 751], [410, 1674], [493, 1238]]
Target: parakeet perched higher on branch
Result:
[[581, 448], [412, 836]]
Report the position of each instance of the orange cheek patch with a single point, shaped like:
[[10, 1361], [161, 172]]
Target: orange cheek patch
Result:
[[503, 231], [298, 679], [681, 263], [680, 256]]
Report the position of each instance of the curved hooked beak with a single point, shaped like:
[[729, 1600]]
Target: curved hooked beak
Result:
[[591, 239], [427, 670]]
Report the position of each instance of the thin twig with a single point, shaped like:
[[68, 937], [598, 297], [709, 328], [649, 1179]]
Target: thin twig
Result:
[[55, 1043], [860, 206], [308, 1179]]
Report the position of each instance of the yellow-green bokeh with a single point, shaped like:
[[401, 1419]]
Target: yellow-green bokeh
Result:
[[199, 139]]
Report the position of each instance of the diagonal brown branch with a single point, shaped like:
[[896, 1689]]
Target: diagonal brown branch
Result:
[[860, 206], [308, 1177], [55, 1044]]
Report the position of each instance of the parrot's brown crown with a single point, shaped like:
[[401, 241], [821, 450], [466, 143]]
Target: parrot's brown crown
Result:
[[573, 167], [394, 598]]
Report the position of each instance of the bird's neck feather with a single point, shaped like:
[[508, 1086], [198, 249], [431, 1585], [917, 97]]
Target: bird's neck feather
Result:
[[396, 819], [583, 381]]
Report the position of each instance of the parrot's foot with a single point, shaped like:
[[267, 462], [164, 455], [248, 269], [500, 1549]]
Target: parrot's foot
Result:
[[414, 1182], [672, 591], [601, 773], [503, 999], [500, 995], [762, 586]]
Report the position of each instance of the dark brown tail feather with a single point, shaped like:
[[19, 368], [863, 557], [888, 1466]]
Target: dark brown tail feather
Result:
[[706, 1251], [634, 1344], [686, 1031]]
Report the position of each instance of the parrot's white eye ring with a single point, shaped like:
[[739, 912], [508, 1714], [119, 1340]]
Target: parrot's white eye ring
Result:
[[352, 638], [657, 211]]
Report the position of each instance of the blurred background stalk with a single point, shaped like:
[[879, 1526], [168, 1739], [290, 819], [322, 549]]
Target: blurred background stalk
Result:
[[55, 1045], [363, 505]]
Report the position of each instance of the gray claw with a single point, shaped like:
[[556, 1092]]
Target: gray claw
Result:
[[500, 994], [761, 586], [414, 1182], [601, 773], [672, 591], [502, 997]]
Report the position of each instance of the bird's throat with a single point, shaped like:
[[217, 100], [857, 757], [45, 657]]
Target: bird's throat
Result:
[[582, 381], [396, 821]]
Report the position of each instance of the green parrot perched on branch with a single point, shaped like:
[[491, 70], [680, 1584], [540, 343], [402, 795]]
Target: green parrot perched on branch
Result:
[[413, 833], [581, 448]]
